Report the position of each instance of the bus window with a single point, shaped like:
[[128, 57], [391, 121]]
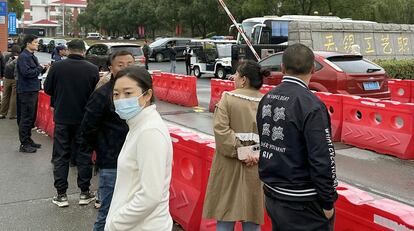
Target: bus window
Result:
[[265, 39], [280, 28], [280, 32], [255, 35], [284, 29], [247, 28]]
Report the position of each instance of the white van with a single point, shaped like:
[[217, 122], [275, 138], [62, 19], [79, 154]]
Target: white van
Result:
[[93, 36]]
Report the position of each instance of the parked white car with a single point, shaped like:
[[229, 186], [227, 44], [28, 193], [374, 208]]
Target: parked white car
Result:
[[93, 36]]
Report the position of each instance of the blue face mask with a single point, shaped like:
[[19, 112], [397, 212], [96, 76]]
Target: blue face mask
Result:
[[128, 108]]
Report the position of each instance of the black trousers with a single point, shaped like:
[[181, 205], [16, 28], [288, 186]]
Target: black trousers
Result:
[[26, 115], [64, 136], [146, 62], [188, 67], [297, 216]]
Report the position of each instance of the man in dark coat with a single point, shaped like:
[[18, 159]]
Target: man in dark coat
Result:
[[105, 132], [147, 50], [28, 86], [70, 82]]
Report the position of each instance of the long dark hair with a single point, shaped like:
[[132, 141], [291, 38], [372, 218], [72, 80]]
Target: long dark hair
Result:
[[253, 71]]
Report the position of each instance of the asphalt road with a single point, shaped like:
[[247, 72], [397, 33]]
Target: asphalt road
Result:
[[26, 180]]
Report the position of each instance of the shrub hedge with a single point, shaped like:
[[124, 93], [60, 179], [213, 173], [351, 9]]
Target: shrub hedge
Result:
[[398, 69]]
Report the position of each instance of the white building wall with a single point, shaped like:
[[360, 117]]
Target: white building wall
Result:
[[39, 13]]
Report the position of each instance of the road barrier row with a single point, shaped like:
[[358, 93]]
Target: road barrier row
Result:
[[402, 90], [380, 125], [175, 88], [356, 210]]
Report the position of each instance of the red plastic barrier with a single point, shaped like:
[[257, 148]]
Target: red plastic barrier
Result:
[[271, 80], [383, 126], [161, 84], [182, 90], [50, 127], [333, 103], [401, 90], [210, 225], [44, 117], [219, 86], [188, 184], [356, 210], [266, 88], [43, 111], [412, 92]]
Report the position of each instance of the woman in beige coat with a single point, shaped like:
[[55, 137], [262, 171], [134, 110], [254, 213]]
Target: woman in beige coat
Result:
[[234, 191]]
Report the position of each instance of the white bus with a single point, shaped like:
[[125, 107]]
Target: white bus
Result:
[[275, 29]]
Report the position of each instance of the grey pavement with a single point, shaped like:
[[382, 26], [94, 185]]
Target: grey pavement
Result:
[[27, 188]]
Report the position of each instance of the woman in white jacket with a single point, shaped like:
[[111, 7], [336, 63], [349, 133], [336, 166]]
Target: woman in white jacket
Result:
[[141, 195]]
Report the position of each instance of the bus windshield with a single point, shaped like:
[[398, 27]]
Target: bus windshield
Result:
[[275, 32], [247, 28]]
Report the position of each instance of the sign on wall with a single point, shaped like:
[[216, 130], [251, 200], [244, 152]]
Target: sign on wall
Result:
[[3, 8], [12, 23]]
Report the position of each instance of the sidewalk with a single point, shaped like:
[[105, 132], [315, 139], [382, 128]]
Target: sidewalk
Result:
[[27, 188]]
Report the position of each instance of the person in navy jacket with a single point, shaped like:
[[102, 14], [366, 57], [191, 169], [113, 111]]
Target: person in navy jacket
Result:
[[28, 86]]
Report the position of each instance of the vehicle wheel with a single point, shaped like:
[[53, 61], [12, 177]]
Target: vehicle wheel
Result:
[[159, 57], [197, 72], [221, 73]]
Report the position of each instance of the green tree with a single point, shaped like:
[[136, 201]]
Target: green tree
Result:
[[203, 17], [16, 6]]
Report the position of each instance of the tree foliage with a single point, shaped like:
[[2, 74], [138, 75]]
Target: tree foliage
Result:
[[16, 6], [206, 17]]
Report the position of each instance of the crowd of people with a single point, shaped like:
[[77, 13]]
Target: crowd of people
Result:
[[273, 151]]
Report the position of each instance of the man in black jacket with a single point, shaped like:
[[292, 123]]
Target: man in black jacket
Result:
[[71, 82], [146, 50], [28, 86], [188, 53], [105, 132], [297, 164]]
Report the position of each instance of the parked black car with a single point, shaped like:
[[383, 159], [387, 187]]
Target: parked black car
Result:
[[160, 51], [98, 53]]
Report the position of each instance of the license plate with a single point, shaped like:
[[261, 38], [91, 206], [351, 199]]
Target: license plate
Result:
[[369, 86]]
